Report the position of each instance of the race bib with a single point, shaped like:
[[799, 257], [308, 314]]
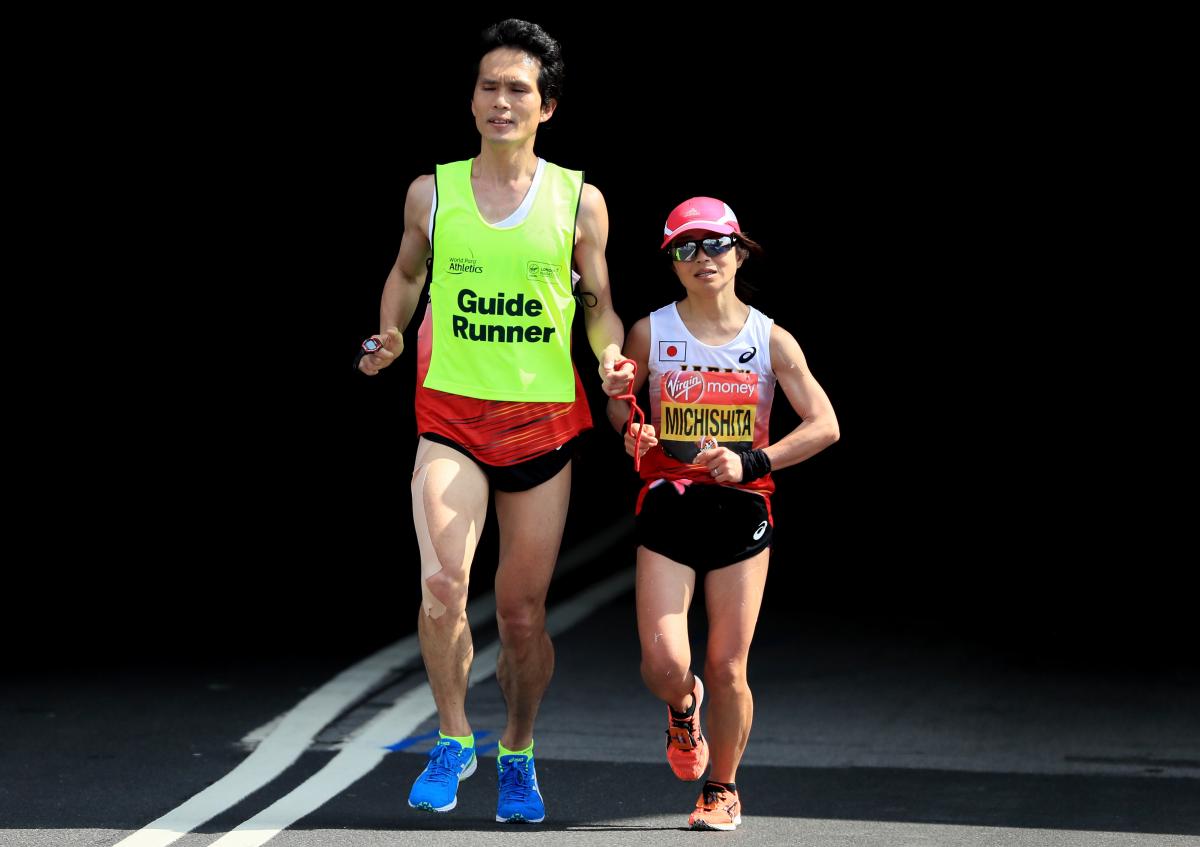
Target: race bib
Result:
[[702, 410]]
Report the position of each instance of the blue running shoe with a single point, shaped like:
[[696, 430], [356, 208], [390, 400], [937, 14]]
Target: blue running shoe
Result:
[[436, 789], [520, 799]]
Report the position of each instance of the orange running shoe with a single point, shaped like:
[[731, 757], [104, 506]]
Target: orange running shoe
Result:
[[717, 808], [687, 751]]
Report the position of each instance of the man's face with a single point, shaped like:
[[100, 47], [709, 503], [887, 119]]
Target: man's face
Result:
[[507, 104]]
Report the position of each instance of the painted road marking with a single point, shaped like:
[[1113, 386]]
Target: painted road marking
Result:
[[367, 749], [283, 740]]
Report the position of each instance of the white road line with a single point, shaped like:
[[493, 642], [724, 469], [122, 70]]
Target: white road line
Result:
[[409, 711], [289, 736], [480, 612]]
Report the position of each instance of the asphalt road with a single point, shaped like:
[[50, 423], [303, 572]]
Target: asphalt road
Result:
[[896, 734]]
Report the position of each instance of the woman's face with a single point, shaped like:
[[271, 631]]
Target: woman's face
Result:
[[702, 272]]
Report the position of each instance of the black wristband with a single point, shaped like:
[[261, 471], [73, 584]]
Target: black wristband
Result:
[[755, 464], [358, 358]]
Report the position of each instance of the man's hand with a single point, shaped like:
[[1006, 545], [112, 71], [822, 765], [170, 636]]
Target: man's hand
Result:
[[616, 380], [393, 346]]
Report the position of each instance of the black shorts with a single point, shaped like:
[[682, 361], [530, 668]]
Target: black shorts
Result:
[[521, 476], [706, 527]]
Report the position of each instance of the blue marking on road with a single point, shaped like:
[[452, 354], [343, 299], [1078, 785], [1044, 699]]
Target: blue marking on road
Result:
[[404, 744], [411, 740]]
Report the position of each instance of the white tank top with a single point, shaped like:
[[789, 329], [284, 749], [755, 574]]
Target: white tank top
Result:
[[708, 394]]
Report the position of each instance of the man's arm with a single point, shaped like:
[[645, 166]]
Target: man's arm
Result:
[[605, 333], [637, 347], [403, 287]]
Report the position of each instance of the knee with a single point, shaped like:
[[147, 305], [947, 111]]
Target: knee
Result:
[[664, 675], [726, 672], [520, 622], [447, 588], [661, 665]]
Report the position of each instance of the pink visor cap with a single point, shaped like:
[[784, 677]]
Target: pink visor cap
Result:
[[700, 213]]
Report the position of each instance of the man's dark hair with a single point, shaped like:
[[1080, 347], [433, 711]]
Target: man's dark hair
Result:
[[537, 43]]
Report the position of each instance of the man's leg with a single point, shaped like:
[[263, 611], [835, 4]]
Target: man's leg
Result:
[[449, 497], [531, 524]]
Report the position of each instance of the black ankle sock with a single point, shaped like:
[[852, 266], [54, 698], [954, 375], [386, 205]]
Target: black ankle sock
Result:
[[686, 713], [728, 786]]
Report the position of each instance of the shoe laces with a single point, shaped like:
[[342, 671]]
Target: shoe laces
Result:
[[719, 798], [515, 778], [444, 763], [682, 732]]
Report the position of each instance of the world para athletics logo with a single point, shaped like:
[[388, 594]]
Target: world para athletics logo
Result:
[[464, 266]]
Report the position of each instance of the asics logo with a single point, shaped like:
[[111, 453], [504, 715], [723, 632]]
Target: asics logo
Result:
[[748, 355], [762, 528]]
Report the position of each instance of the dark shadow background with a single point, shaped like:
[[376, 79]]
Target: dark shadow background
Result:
[[916, 194]]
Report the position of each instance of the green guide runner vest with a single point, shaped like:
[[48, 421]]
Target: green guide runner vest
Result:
[[501, 298]]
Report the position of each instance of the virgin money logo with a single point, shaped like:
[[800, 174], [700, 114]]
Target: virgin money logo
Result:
[[682, 387]]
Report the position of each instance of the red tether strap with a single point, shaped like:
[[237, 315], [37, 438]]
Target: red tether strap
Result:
[[633, 410]]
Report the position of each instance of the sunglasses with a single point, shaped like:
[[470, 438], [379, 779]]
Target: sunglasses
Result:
[[685, 251]]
